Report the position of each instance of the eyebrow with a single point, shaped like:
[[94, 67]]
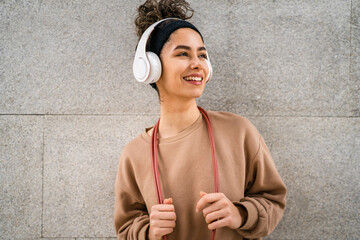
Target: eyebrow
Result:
[[189, 48]]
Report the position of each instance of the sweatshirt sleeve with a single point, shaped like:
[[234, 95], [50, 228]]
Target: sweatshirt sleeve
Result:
[[265, 195], [131, 217]]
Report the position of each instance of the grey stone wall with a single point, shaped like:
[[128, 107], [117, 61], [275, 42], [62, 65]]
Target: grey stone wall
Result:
[[69, 104]]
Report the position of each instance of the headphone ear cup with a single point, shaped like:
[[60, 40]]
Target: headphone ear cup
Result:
[[155, 67], [140, 70], [210, 70]]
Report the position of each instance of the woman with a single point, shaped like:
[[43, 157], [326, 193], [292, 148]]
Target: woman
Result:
[[251, 197]]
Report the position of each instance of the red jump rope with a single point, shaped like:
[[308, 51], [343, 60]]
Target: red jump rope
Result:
[[154, 156]]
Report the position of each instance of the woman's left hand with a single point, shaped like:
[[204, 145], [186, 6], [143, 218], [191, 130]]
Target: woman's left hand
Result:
[[218, 211]]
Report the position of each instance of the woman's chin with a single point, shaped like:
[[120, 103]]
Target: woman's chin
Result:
[[197, 94]]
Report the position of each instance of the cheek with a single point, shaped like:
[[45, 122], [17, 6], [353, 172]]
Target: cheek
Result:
[[173, 69], [166, 72]]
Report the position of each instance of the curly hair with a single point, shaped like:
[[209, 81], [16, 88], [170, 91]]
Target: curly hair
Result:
[[152, 11]]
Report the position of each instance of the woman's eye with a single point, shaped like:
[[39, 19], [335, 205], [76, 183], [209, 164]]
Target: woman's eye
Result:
[[182, 54], [203, 56]]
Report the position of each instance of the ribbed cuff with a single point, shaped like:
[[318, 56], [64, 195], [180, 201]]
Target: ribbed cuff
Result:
[[252, 217]]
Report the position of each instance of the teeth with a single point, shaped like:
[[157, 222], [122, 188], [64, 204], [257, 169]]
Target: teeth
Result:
[[198, 79]]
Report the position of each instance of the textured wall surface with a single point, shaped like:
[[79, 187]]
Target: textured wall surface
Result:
[[69, 104]]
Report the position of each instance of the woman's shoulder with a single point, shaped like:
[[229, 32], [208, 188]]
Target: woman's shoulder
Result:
[[228, 120], [235, 129], [138, 144]]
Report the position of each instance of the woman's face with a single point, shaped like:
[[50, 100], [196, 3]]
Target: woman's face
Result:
[[184, 69]]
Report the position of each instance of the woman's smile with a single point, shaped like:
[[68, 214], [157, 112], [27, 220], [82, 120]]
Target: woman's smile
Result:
[[195, 79]]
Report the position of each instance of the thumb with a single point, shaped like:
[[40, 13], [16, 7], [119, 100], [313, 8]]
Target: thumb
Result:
[[202, 193], [168, 201]]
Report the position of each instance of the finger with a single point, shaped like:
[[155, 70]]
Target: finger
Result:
[[167, 230], [168, 201], [216, 206], [163, 208], [202, 193], [163, 231], [163, 216], [207, 199], [163, 223], [218, 224], [215, 216]]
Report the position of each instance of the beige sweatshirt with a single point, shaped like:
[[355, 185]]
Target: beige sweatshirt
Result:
[[247, 176]]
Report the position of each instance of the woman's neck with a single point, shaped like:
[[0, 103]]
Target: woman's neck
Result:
[[176, 117]]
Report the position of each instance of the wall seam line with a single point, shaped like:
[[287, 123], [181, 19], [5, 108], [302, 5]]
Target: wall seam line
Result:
[[350, 44], [42, 174], [145, 115]]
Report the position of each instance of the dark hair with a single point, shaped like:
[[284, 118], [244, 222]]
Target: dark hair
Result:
[[152, 11]]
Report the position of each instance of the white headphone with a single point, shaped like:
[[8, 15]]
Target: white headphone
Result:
[[147, 65]]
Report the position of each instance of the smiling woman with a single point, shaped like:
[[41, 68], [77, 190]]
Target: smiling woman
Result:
[[196, 174]]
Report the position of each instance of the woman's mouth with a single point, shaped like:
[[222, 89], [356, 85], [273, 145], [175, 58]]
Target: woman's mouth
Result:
[[191, 79], [195, 79]]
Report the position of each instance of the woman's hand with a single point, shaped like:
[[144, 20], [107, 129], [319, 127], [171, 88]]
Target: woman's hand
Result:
[[218, 211], [162, 219]]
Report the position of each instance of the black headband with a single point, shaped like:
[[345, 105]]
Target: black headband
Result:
[[161, 34]]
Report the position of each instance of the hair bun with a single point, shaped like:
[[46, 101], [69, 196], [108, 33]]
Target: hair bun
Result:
[[152, 11]]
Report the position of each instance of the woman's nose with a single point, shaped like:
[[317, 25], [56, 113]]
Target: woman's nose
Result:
[[196, 63]]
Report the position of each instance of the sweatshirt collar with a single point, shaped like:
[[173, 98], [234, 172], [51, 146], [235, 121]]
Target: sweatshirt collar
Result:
[[145, 135]]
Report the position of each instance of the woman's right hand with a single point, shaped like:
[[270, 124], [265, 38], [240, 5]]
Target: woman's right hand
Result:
[[162, 219]]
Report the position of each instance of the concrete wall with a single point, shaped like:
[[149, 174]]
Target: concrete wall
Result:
[[69, 103]]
